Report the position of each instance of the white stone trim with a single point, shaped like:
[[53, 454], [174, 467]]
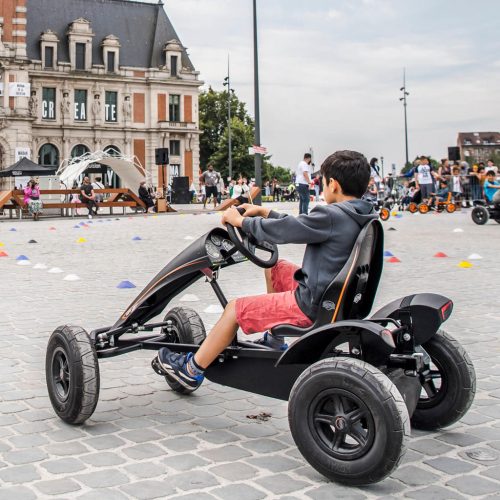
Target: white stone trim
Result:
[[21, 9], [19, 20], [19, 33]]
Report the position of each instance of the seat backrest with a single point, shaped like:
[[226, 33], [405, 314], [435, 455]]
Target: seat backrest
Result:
[[351, 294]]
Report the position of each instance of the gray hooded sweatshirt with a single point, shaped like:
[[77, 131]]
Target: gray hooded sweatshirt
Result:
[[330, 232]]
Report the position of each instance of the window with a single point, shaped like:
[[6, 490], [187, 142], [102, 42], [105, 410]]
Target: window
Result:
[[110, 107], [175, 148], [48, 103], [173, 65], [49, 57], [48, 156], [110, 67], [79, 150], [80, 56], [174, 108], [81, 105]]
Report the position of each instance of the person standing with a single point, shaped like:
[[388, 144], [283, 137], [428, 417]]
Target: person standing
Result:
[[88, 196], [210, 179], [32, 199], [317, 185], [424, 179], [303, 179]]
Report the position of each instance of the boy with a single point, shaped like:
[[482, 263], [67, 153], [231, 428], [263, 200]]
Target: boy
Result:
[[441, 194], [293, 293], [492, 188]]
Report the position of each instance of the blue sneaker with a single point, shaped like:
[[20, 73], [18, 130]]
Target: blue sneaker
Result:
[[175, 366]]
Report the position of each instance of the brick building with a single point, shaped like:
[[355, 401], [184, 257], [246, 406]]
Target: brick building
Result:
[[88, 75], [478, 146]]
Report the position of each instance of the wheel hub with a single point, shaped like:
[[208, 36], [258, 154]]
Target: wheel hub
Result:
[[340, 423]]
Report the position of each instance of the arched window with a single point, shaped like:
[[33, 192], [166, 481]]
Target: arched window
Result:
[[48, 156], [112, 150], [79, 150]]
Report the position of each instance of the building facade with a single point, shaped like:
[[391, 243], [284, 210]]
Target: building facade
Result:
[[478, 146], [89, 75]]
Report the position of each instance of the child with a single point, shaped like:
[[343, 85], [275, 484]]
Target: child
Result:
[[456, 185], [293, 293], [441, 194], [492, 188]]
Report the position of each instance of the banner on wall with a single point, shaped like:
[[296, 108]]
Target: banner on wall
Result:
[[19, 89], [22, 153]]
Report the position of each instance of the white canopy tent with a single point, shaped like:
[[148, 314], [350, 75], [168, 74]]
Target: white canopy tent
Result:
[[128, 168]]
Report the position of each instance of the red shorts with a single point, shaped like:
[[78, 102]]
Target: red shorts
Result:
[[259, 313]]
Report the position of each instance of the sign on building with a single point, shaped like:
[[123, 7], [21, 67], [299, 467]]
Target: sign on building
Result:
[[49, 103], [22, 153], [175, 170], [80, 105], [19, 89], [110, 107]]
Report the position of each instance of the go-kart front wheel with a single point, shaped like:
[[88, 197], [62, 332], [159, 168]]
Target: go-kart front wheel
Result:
[[72, 374], [348, 420], [480, 215], [384, 214], [186, 327], [448, 387]]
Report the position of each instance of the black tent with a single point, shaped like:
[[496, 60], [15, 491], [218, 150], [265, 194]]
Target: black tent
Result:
[[27, 168]]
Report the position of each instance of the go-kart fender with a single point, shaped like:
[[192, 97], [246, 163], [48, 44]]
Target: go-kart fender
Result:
[[372, 339]]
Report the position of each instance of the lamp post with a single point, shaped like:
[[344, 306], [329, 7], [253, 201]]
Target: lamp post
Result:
[[227, 81], [403, 89], [257, 156]]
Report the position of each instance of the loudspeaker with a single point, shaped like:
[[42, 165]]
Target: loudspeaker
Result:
[[181, 196], [161, 156], [454, 153], [180, 184]]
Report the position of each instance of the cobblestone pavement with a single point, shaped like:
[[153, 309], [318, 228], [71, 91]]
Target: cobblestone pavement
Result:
[[145, 441]]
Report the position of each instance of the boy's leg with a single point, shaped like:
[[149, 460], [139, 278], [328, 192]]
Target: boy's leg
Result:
[[268, 274]]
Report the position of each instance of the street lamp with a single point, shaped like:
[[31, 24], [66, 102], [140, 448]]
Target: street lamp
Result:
[[227, 82], [403, 89], [257, 156]]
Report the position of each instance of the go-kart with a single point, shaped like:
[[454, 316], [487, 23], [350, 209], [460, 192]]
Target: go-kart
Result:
[[483, 212], [438, 205], [353, 384]]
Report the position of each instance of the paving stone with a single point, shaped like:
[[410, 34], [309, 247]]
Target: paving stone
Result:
[[450, 466], [102, 478], [57, 486], [473, 485], [65, 449], [274, 463], [280, 484], [141, 436], [193, 480], [17, 493], [219, 437], [103, 459], [63, 465], [143, 490], [145, 470], [193, 496], [29, 441], [185, 462], [235, 470], [25, 456], [19, 474], [414, 476], [181, 444], [103, 494], [225, 453], [493, 472], [459, 439], [143, 451], [329, 491], [263, 445], [104, 442], [256, 430], [429, 447], [241, 491]]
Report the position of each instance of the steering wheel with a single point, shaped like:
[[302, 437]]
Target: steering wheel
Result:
[[247, 245]]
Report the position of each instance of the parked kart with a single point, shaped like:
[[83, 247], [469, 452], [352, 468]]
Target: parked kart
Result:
[[483, 212], [353, 383], [438, 206]]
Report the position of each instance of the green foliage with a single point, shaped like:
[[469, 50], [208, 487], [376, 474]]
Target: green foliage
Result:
[[214, 141]]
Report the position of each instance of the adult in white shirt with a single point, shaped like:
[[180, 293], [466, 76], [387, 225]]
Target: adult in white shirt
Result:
[[303, 179], [424, 179]]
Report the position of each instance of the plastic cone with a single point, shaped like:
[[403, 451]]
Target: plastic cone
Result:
[[136, 238], [12, 229], [55, 270], [392, 229], [125, 284], [458, 230], [465, 264], [76, 227], [393, 259], [388, 253], [22, 257], [32, 241], [189, 297], [39, 266], [81, 240], [1, 244], [71, 277], [23, 263], [52, 228], [440, 254], [3, 254], [474, 256]]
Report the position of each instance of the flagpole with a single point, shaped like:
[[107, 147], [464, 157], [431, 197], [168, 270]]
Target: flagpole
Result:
[[258, 156]]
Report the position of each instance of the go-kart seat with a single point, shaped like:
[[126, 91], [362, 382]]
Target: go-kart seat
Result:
[[351, 294]]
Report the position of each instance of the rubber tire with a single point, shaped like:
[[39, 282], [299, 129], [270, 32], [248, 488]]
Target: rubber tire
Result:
[[460, 386], [423, 208], [384, 214], [392, 423], [413, 207], [84, 380], [451, 208], [191, 330], [497, 220], [480, 215]]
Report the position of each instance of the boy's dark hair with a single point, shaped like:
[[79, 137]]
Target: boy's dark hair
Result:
[[490, 172], [444, 182], [307, 155], [350, 169]]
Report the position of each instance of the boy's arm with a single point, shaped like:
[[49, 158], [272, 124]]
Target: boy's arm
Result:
[[313, 228]]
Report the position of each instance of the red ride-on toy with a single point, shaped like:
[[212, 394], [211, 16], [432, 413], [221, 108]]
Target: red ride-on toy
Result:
[[354, 383]]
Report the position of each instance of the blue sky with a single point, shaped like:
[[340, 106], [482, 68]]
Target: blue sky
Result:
[[331, 70]]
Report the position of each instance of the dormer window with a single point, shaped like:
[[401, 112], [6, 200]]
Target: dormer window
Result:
[[48, 48], [173, 54], [80, 45], [110, 53]]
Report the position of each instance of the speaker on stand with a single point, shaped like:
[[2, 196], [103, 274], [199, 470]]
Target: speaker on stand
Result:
[[180, 190], [454, 153]]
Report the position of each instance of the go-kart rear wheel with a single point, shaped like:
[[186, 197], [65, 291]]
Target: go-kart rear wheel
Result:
[[348, 420], [451, 207], [186, 328], [449, 386], [424, 208], [72, 374], [480, 215], [413, 207], [384, 214]]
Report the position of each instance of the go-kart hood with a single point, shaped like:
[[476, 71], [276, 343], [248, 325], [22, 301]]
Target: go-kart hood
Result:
[[178, 274]]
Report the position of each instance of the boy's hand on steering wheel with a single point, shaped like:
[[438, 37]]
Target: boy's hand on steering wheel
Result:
[[254, 210], [233, 217]]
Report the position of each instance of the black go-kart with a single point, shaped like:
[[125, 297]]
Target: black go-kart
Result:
[[353, 384], [483, 212]]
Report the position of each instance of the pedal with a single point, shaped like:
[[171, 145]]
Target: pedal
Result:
[[155, 364]]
